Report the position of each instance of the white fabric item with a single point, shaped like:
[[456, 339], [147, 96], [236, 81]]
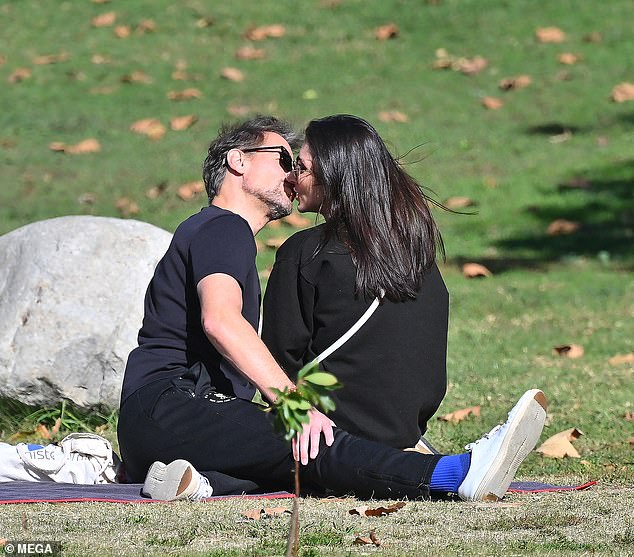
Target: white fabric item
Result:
[[80, 458]]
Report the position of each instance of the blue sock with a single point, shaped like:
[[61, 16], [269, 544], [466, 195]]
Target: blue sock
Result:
[[450, 472]]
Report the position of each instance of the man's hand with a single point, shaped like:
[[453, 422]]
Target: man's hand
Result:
[[310, 436]]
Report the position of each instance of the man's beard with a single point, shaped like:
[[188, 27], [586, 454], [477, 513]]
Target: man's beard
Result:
[[278, 205]]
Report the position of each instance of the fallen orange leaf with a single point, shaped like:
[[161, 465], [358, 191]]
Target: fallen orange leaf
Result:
[[560, 446], [20, 74], [377, 511], [257, 514], [572, 351], [81, 148], [513, 83], [274, 242], [232, 74], [623, 92], [459, 415], [185, 94], [629, 416], [471, 66], [180, 123], [146, 26], [459, 202], [56, 426], [156, 191], [385, 32], [622, 359], [150, 127], [492, 103], [393, 116], [43, 432], [127, 207], [568, 58], [250, 53], [137, 76], [296, 220], [203, 22], [550, 35], [274, 31], [561, 227], [122, 31], [104, 20], [363, 540], [50, 59], [190, 189], [473, 270]]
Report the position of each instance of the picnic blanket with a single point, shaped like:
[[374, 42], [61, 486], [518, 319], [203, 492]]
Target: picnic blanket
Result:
[[51, 492]]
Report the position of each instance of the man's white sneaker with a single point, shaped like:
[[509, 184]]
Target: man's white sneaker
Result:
[[498, 454], [175, 481]]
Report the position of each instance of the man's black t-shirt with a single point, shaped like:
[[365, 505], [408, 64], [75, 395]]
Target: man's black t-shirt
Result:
[[393, 370], [171, 337]]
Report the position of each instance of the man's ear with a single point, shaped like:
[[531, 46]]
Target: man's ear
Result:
[[236, 161]]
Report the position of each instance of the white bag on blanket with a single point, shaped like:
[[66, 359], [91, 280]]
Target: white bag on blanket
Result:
[[80, 458]]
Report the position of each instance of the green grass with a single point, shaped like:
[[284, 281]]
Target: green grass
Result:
[[546, 290]]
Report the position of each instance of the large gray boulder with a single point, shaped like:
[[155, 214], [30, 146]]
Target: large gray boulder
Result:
[[71, 304]]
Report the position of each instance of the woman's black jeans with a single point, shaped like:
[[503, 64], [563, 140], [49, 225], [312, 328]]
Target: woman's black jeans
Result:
[[233, 443]]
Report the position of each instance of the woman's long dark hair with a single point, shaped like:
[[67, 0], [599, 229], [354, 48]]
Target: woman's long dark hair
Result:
[[373, 206]]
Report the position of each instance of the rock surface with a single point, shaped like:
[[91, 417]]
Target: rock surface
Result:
[[71, 304]]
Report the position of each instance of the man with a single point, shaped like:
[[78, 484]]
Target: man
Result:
[[194, 388]]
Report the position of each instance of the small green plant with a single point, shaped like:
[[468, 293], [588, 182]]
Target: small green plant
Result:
[[291, 412]]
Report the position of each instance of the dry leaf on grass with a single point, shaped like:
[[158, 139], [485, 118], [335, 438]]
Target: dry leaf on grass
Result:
[[550, 35], [459, 415], [459, 202], [100, 59], [20, 74], [385, 32], [568, 58], [145, 26], [492, 103], [87, 198], [190, 189], [560, 137], [56, 426], [474, 270], [122, 31], [232, 74], [371, 539], [561, 227], [250, 53], [150, 127], [275, 242], [623, 92], [83, 147], [514, 83], [104, 20], [560, 446], [267, 512], [185, 94], [274, 31], [127, 207], [572, 351], [620, 359], [393, 116], [628, 416], [180, 123], [43, 432], [50, 59], [3, 59], [296, 220], [156, 191], [137, 76], [631, 441], [472, 66], [377, 511], [204, 22]]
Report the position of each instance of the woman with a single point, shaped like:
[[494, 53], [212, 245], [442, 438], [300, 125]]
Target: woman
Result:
[[379, 239]]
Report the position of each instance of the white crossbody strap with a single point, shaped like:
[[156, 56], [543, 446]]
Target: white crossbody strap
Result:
[[346, 336]]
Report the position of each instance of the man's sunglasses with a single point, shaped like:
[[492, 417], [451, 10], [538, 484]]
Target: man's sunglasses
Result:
[[286, 161]]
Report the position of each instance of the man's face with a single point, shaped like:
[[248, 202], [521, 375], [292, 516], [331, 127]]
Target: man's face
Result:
[[266, 180]]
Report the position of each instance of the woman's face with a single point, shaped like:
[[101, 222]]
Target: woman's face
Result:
[[308, 193]]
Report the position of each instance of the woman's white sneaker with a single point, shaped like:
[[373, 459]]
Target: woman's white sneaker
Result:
[[498, 454], [176, 481]]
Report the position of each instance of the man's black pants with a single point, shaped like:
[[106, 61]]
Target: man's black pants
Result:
[[233, 443]]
